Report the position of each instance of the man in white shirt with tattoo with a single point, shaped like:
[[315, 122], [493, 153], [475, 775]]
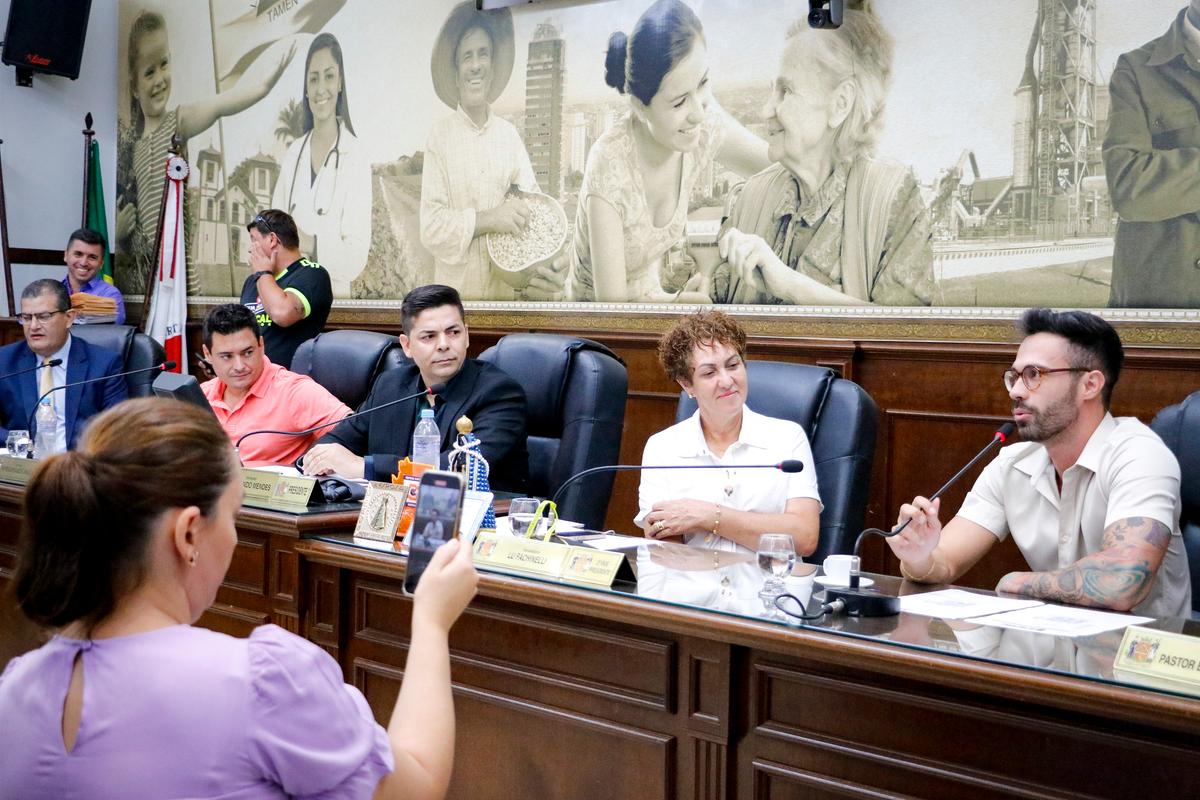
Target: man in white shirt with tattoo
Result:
[[1091, 500]]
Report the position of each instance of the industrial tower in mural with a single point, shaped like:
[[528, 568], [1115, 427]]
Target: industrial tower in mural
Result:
[[1056, 146]]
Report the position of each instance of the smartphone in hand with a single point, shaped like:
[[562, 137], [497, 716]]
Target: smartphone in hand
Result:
[[435, 521]]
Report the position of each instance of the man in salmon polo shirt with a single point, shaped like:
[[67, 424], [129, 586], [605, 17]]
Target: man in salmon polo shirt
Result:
[[251, 394]]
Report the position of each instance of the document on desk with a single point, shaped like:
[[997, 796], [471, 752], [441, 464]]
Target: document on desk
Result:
[[614, 541], [1060, 620], [960, 604]]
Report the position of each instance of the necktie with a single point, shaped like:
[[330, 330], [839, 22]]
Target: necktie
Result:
[[47, 379]]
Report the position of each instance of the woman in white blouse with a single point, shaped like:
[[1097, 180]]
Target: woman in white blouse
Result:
[[325, 178], [724, 509]]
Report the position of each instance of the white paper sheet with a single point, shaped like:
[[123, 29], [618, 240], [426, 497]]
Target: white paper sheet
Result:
[[614, 541], [959, 604], [1061, 620]]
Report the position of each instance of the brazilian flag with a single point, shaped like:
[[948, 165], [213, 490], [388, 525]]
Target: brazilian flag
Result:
[[94, 217]]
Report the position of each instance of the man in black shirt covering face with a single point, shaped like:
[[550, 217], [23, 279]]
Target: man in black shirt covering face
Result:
[[289, 294]]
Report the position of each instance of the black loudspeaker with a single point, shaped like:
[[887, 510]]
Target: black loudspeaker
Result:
[[46, 36]]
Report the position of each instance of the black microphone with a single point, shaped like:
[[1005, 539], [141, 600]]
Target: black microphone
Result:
[[1000, 437], [790, 465], [434, 390], [54, 362], [868, 603], [166, 366]]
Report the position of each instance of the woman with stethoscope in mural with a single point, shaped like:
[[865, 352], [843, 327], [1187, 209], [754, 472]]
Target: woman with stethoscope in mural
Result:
[[325, 179]]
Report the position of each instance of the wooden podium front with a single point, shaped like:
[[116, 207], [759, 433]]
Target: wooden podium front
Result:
[[577, 694]]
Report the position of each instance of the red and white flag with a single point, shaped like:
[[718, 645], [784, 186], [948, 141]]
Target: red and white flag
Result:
[[168, 304]]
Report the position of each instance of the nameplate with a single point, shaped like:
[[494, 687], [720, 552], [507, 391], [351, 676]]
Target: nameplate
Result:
[[579, 565], [17, 470], [1159, 658], [590, 566], [275, 492]]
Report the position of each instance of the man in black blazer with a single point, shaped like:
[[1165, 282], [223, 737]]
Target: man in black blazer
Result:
[[435, 338], [46, 317]]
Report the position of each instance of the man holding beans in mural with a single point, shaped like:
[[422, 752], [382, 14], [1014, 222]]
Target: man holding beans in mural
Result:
[[473, 159]]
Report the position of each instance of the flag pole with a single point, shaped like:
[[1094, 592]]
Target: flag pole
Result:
[[88, 134], [8, 279], [176, 143]]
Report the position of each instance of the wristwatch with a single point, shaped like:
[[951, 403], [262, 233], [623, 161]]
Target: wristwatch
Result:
[[259, 274]]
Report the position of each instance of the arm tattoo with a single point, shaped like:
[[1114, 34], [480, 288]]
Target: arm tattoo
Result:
[[1118, 576]]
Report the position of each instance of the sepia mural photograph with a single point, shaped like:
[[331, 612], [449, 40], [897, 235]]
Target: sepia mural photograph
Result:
[[945, 153]]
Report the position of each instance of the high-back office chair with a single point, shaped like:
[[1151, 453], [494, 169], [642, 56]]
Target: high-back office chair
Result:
[[137, 351], [575, 407], [839, 418], [1179, 427], [346, 362]]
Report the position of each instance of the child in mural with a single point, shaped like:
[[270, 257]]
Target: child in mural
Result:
[[827, 223], [153, 124], [325, 178], [640, 173]]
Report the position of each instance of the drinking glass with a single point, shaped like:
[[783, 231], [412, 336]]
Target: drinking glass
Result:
[[521, 512], [776, 557], [18, 443]]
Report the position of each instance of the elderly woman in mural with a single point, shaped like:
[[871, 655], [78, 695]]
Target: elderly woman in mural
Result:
[[325, 178], [639, 175], [827, 224]]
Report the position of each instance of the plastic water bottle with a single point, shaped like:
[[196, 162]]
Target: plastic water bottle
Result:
[[47, 429], [427, 440]]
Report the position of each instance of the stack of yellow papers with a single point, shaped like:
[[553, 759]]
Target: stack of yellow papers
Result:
[[90, 305]]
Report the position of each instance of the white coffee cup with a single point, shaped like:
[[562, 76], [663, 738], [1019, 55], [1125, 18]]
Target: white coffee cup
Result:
[[837, 567], [800, 582]]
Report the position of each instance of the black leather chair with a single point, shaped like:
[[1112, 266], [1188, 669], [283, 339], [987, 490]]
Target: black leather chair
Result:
[[137, 350], [346, 362], [575, 407], [839, 418], [1179, 427]]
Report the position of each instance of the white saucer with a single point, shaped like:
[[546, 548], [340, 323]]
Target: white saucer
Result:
[[825, 580]]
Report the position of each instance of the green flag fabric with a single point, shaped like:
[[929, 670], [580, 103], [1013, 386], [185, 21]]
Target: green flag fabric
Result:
[[95, 216]]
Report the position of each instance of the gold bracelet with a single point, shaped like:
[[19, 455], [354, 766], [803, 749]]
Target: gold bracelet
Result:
[[923, 578], [717, 521]]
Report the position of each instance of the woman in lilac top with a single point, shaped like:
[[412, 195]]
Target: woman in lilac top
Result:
[[123, 549]]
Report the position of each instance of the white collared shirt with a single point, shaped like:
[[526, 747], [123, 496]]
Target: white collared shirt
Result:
[[59, 398], [763, 440], [469, 168], [1124, 471], [336, 208]]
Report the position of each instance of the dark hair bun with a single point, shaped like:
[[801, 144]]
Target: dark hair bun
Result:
[[614, 61]]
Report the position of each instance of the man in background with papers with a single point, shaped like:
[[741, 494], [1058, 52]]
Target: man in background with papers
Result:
[[93, 298], [1091, 500]]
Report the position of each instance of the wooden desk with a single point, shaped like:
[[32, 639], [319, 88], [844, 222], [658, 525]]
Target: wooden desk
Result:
[[569, 693]]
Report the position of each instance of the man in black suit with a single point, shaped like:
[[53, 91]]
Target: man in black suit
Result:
[[435, 338]]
